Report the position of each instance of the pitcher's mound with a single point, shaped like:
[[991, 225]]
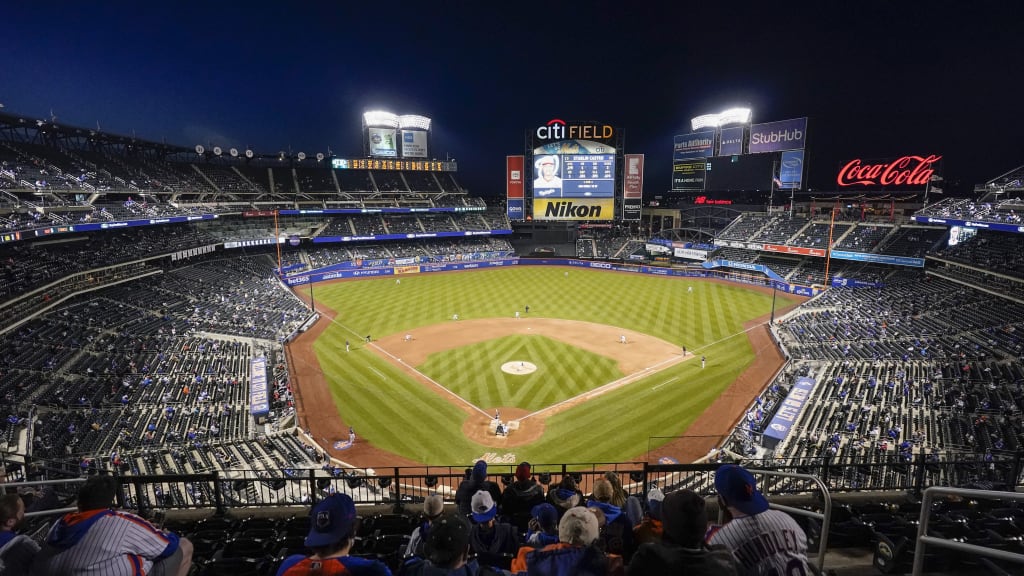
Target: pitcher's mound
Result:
[[518, 368]]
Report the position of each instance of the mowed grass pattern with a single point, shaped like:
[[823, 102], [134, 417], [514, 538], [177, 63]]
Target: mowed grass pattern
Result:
[[563, 371], [402, 416]]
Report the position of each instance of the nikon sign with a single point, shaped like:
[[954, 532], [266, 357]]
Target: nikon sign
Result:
[[574, 209]]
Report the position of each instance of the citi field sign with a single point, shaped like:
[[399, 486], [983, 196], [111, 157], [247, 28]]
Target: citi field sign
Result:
[[903, 171], [557, 129]]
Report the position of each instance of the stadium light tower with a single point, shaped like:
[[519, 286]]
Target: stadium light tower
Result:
[[729, 116]]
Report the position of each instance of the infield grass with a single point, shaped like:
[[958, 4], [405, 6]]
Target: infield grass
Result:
[[400, 415], [474, 372]]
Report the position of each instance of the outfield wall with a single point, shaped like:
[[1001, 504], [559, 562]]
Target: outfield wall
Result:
[[332, 273]]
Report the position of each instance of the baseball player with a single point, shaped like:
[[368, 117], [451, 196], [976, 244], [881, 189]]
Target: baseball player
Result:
[[763, 540], [622, 339], [100, 540], [517, 314], [703, 362]]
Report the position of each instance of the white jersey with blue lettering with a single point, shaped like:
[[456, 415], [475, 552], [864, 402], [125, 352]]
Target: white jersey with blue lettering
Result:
[[767, 544]]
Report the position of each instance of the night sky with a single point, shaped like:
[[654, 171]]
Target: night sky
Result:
[[877, 79]]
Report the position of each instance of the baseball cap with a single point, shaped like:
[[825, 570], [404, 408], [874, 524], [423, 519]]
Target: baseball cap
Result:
[[685, 517], [578, 526], [448, 538], [433, 506], [332, 521], [654, 500], [483, 506], [546, 515], [547, 160], [479, 471], [736, 485]]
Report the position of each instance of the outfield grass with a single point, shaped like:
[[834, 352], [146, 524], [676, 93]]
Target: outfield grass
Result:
[[400, 415], [474, 372]]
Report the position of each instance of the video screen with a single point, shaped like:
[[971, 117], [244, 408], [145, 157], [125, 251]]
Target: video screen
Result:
[[741, 173], [574, 176]]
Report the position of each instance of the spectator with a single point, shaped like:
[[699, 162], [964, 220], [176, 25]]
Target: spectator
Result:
[[650, 528], [565, 495], [495, 543], [753, 523], [433, 508], [575, 552], [99, 540], [331, 536], [447, 551], [476, 481], [618, 494], [16, 552], [682, 549], [543, 531], [617, 533], [521, 496]]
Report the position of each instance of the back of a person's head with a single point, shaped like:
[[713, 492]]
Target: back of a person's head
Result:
[[603, 490], [97, 493], [578, 527], [448, 541], [684, 518]]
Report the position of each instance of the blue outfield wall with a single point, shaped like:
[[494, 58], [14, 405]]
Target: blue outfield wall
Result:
[[345, 270]]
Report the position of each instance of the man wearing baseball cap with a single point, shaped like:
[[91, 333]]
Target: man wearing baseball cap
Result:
[[331, 534], [762, 539], [495, 543]]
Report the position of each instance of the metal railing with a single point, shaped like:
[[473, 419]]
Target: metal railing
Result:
[[824, 517], [923, 539]]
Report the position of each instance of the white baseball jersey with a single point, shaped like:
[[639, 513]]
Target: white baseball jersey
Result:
[[767, 544], [103, 542]]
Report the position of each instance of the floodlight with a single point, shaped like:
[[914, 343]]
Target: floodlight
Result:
[[414, 121], [380, 118], [730, 116]]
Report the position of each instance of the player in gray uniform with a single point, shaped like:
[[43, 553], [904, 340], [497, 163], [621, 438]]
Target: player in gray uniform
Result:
[[766, 542]]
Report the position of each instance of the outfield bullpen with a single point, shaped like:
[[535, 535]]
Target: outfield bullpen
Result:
[[430, 399]]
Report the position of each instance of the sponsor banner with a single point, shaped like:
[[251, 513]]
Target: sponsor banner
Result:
[[691, 254], [382, 142], [632, 208], [731, 142], [633, 182], [259, 402], [515, 209], [970, 224], [305, 212], [254, 242], [389, 271], [414, 144], [10, 237], [514, 183], [800, 250], [385, 164], [407, 261], [407, 269], [791, 170], [854, 283], [789, 410], [879, 258], [776, 136], [574, 209], [689, 175], [754, 246], [903, 171], [653, 248], [744, 266], [446, 234], [257, 213], [694, 145], [91, 227]]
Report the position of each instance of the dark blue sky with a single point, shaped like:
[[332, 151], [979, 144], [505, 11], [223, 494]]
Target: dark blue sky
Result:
[[877, 79]]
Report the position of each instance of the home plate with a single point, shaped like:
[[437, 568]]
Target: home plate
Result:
[[518, 368]]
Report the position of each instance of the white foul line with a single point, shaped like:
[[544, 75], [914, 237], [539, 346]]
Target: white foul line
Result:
[[665, 382]]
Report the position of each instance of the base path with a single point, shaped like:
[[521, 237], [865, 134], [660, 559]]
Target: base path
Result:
[[641, 356]]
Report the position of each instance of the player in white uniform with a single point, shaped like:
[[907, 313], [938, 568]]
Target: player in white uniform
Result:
[[99, 540], [765, 541]]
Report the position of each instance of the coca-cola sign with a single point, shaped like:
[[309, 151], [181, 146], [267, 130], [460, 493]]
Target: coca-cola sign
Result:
[[905, 171]]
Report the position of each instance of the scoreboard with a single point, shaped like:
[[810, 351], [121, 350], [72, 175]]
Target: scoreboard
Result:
[[589, 176]]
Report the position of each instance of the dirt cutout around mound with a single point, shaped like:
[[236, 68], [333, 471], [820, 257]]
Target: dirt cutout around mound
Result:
[[641, 356]]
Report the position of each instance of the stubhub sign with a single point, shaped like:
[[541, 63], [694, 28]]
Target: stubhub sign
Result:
[[775, 136]]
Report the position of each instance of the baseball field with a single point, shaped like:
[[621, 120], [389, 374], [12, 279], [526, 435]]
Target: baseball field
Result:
[[590, 373]]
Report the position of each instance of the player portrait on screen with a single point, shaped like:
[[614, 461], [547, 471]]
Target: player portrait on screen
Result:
[[547, 182]]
